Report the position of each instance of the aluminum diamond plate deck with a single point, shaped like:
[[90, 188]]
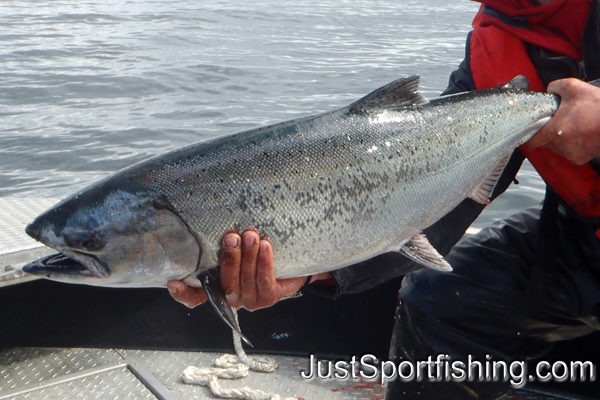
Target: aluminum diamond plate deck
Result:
[[22, 368], [15, 214], [115, 384], [42, 373], [286, 381], [16, 248]]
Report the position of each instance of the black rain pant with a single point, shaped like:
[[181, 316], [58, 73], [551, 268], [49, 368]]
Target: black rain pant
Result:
[[496, 303]]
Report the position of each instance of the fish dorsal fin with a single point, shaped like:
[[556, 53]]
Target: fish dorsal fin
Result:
[[421, 251], [518, 82], [400, 93], [484, 190]]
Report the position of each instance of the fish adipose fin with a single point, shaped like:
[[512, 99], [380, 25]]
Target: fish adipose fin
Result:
[[211, 283], [484, 190], [518, 82], [400, 93], [421, 251]]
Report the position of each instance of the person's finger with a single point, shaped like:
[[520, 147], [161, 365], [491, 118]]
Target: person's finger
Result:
[[289, 287], [268, 292], [565, 88], [549, 133], [270, 289], [556, 87], [186, 295], [250, 240], [544, 137], [230, 258]]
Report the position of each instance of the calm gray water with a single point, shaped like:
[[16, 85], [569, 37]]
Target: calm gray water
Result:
[[89, 87]]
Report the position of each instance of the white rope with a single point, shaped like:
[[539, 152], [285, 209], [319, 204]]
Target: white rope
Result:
[[229, 366]]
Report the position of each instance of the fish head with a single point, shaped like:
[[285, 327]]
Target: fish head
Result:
[[120, 239]]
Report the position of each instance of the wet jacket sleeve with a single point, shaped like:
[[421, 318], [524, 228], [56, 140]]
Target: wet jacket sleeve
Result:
[[443, 235]]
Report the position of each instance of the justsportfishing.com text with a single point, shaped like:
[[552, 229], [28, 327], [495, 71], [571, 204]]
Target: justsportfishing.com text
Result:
[[441, 368]]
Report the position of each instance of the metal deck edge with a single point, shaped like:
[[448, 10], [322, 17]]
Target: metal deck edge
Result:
[[147, 378]]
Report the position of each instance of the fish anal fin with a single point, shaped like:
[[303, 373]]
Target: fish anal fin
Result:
[[482, 192], [211, 283], [400, 93], [421, 251]]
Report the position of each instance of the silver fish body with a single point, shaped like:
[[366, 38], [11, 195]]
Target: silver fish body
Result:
[[328, 190]]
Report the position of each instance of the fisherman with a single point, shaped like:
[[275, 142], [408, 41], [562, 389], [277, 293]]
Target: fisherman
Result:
[[519, 285]]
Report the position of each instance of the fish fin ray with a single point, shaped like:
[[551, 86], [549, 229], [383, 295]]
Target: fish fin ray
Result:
[[482, 192], [211, 283], [421, 251], [400, 93]]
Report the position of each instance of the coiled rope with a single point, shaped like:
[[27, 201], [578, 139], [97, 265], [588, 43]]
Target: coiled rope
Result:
[[229, 366]]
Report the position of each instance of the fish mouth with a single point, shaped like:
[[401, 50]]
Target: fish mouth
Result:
[[58, 264]]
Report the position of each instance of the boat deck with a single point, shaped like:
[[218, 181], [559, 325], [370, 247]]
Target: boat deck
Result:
[[16, 248], [46, 373], [93, 373]]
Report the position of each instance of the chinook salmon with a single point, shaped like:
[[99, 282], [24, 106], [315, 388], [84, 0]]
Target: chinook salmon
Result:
[[328, 190]]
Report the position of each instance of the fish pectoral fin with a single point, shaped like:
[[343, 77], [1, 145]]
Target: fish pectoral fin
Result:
[[400, 93], [482, 192], [421, 251], [211, 283]]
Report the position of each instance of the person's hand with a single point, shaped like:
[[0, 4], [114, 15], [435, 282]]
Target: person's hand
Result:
[[247, 275], [574, 131]]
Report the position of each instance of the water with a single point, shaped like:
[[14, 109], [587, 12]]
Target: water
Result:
[[89, 87]]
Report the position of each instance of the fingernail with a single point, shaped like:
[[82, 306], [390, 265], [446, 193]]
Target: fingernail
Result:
[[263, 246], [172, 289], [231, 241], [248, 240]]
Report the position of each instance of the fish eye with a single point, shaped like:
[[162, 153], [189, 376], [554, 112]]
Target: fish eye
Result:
[[89, 242], [93, 243]]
